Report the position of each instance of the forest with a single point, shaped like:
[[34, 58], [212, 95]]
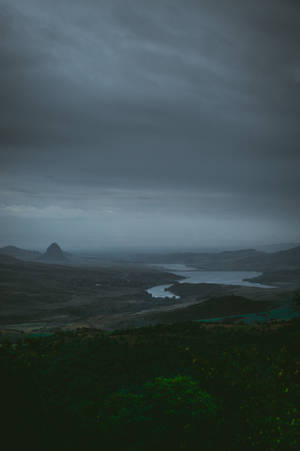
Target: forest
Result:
[[186, 386]]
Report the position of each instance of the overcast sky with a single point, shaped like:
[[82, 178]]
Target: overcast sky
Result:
[[142, 123]]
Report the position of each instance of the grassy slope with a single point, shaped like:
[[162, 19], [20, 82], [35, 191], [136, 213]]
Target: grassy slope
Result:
[[50, 293], [214, 307]]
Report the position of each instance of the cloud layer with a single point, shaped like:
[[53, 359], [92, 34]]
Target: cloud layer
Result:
[[185, 114]]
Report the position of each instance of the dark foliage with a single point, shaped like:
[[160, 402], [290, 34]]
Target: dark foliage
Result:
[[184, 386]]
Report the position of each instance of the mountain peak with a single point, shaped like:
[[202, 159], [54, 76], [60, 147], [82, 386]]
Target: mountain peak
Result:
[[53, 245], [54, 253]]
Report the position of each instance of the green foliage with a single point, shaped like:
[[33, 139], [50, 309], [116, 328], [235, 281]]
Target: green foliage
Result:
[[238, 389], [144, 419]]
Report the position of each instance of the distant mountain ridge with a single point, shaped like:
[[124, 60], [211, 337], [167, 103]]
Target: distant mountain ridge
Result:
[[240, 260], [271, 248], [282, 260], [22, 254], [237, 260], [53, 254]]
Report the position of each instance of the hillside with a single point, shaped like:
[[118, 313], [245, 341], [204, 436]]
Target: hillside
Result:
[[240, 260], [39, 294], [283, 260], [280, 278], [213, 307], [8, 259], [22, 254]]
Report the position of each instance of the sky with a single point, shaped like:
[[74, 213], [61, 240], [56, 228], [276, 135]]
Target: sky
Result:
[[137, 124]]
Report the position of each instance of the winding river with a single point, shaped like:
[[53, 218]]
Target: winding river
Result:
[[193, 275]]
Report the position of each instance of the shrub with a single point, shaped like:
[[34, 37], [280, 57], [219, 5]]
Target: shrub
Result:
[[173, 413]]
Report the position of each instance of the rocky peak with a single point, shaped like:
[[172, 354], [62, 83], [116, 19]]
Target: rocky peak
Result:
[[54, 253]]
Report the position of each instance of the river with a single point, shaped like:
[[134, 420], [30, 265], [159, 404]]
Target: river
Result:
[[193, 275]]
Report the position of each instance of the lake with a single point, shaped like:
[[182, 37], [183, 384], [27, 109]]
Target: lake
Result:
[[193, 275]]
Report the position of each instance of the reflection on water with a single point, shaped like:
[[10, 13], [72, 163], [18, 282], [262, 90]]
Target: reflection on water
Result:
[[192, 275]]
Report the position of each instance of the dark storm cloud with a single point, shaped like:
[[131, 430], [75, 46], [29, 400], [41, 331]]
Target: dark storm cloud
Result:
[[123, 102]]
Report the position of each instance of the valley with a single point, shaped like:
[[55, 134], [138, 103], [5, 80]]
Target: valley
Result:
[[41, 295]]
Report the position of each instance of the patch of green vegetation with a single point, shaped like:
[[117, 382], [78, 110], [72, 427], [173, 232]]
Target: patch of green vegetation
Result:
[[186, 386], [143, 420]]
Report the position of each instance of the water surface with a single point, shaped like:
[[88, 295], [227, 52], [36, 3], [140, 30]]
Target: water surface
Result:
[[193, 275]]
